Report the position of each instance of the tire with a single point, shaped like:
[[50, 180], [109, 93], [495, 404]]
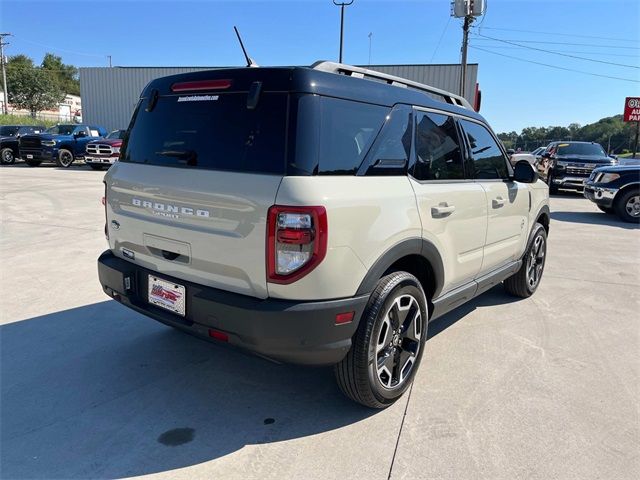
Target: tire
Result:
[[65, 158], [6, 156], [33, 163], [628, 206], [526, 280], [96, 167], [553, 189], [605, 209], [377, 369]]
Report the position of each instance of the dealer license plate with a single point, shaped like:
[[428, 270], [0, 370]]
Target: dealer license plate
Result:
[[167, 295]]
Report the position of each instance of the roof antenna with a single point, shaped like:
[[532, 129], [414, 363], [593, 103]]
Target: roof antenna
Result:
[[250, 61]]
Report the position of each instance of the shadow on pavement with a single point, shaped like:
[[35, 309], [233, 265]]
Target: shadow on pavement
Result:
[[593, 218], [494, 296], [101, 392]]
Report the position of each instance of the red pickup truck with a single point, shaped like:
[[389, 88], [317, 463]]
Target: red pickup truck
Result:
[[104, 152]]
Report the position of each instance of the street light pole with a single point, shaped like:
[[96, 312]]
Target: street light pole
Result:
[[341, 5]]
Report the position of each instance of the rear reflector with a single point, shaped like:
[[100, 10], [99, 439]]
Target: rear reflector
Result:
[[200, 85], [218, 335], [342, 318]]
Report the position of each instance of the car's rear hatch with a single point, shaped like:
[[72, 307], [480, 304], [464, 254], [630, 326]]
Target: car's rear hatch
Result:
[[199, 168]]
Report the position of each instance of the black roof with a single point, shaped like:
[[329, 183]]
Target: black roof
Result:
[[308, 80]]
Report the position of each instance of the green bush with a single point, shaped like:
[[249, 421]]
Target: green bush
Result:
[[24, 120]]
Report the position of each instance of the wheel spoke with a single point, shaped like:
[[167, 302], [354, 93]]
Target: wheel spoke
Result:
[[403, 365], [384, 337]]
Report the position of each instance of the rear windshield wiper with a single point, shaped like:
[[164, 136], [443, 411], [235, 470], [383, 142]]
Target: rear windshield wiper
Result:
[[189, 155]]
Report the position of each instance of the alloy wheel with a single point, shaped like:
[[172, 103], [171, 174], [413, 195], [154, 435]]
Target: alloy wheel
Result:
[[633, 206], [7, 156], [535, 261], [398, 341]]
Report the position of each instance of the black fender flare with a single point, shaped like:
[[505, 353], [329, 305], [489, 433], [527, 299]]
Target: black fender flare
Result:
[[412, 246]]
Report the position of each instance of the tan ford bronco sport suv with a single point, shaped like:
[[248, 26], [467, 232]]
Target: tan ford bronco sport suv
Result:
[[319, 216]]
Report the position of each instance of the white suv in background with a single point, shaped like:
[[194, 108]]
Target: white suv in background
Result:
[[318, 215]]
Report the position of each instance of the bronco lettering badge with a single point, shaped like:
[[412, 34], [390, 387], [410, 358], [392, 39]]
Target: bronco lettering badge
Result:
[[168, 210]]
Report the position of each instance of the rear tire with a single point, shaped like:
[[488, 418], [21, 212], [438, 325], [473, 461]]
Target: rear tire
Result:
[[388, 345], [628, 206], [65, 158], [526, 280], [96, 167], [6, 156], [33, 163]]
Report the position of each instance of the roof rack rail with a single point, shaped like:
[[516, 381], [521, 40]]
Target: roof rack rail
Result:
[[359, 72]]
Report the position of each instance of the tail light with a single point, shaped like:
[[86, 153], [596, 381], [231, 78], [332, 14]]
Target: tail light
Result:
[[296, 242], [104, 202], [115, 151]]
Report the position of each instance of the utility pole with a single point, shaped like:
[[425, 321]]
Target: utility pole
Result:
[[5, 103], [465, 44], [468, 10], [341, 5], [109, 57], [370, 35]]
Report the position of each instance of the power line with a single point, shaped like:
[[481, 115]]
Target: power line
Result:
[[507, 47], [555, 66], [435, 50], [561, 34], [561, 54], [573, 44]]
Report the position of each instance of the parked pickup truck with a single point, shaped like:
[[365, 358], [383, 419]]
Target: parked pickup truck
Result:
[[9, 137], [62, 144], [104, 152]]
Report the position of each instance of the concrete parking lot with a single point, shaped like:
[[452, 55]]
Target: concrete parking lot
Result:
[[543, 388]]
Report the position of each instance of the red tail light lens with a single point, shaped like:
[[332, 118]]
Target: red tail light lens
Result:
[[200, 85], [296, 242]]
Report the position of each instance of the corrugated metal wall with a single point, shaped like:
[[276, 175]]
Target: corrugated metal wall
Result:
[[109, 95]]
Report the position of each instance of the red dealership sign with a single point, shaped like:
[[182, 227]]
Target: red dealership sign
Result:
[[632, 109]]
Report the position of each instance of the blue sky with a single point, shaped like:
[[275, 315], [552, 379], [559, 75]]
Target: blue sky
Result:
[[515, 94]]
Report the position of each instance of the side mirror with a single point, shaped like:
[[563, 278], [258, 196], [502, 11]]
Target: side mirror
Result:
[[546, 155], [615, 157], [79, 134], [523, 172], [510, 151]]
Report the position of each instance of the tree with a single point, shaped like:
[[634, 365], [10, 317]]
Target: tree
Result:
[[32, 88], [66, 75]]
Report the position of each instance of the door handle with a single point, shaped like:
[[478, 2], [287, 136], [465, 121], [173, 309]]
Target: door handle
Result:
[[442, 210], [498, 202]]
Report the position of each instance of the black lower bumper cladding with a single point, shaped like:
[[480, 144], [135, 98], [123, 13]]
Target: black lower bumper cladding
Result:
[[299, 332]]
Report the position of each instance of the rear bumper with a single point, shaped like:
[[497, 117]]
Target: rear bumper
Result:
[[289, 331]]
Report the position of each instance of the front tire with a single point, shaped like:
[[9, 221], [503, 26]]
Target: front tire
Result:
[[388, 345], [628, 206], [6, 156], [65, 158], [525, 282]]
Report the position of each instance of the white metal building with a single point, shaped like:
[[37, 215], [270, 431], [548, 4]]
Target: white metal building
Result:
[[109, 95]]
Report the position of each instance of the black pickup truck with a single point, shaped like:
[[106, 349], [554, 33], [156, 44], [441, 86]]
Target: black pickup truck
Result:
[[568, 165], [9, 139]]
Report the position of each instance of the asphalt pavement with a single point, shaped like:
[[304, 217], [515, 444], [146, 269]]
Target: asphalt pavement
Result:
[[543, 388]]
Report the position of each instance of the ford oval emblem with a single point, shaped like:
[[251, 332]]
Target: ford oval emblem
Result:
[[115, 225]]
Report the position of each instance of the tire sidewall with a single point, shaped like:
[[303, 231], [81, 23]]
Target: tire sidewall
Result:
[[61, 152], [539, 231], [2, 154], [622, 204], [405, 285]]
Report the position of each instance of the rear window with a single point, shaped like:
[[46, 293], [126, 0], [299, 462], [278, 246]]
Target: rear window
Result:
[[580, 149], [216, 132]]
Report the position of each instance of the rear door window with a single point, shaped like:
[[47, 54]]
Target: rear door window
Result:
[[487, 161], [216, 132], [438, 153]]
